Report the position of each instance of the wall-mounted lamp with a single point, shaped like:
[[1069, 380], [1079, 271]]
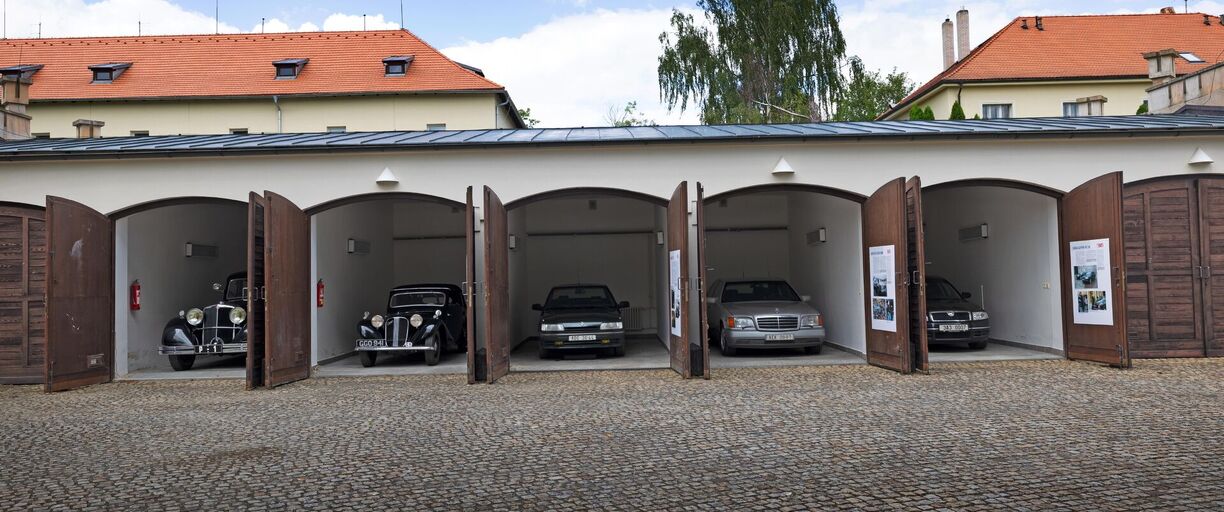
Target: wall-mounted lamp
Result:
[[387, 178], [1200, 157], [513, 242], [979, 232], [194, 250], [819, 236], [783, 168], [358, 246]]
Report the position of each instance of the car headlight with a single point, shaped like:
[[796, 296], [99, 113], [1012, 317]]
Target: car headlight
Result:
[[376, 321], [195, 316], [740, 323], [415, 321], [980, 315], [237, 315], [611, 326], [552, 327], [810, 321]]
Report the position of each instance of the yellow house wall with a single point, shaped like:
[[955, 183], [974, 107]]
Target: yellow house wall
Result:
[[1035, 99], [355, 113]]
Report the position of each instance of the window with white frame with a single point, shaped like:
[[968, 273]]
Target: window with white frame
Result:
[[996, 111], [1071, 109]]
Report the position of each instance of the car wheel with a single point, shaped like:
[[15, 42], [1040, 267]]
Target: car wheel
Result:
[[812, 350], [182, 363], [368, 358], [977, 345], [434, 356], [726, 348]]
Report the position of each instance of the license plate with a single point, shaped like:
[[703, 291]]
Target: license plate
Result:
[[953, 328], [370, 343], [211, 349], [582, 337], [779, 337]]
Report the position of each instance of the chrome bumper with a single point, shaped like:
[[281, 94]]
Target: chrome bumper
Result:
[[191, 350], [376, 347]]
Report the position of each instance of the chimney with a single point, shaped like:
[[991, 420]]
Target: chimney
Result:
[[962, 34], [16, 95], [949, 47], [88, 129], [1161, 65]]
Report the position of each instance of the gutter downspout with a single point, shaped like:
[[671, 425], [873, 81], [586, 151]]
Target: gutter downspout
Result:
[[279, 115], [498, 109]]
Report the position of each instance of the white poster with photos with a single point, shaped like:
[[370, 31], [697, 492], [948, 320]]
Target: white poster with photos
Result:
[[883, 262], [1090, 280], [674, 278]]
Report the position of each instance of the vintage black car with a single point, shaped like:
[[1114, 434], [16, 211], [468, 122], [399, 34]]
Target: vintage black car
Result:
[[425, 318], [219, 329], [581, 317], [951, 318]]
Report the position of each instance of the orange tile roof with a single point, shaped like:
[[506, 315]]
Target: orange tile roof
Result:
[[235, 65], [1081, 47]]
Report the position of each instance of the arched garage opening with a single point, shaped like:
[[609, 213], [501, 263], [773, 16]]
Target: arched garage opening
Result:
[[179, 273], [596, 247], [374, 251], [785, 276], [23, 283], [994, 284]]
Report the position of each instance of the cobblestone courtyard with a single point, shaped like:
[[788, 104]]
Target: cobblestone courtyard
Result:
[[1037, 435]]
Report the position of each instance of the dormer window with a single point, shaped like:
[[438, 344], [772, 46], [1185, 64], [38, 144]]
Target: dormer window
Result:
[[289, 69], [107, 73], [24, 71], [397, 66]]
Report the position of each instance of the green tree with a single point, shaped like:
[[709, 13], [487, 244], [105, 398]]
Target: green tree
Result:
[[629, 115], [754, 61], [1143, 108], [870, 93], [928, 114], [921, 114], [525, 114], [957, 111]]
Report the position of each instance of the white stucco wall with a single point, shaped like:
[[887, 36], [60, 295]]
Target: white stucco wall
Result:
[[354, 283], [831, 272]]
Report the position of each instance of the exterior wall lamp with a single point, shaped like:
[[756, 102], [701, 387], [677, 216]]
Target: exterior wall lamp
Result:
[[387, 178], [1200, 157], [783, 168]]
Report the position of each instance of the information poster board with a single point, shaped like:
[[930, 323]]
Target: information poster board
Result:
[[674, 279], [883, 287], [1090, 282]]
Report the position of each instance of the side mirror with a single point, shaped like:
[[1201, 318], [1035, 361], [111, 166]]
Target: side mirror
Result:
[[216, 287], [966, 295], [805, 298], [711, 300], [537, 307], [624, 304]]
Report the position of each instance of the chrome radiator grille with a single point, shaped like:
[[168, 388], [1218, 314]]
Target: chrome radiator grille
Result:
[[949, 316], [777, 323], [217, 327], [398, 330]]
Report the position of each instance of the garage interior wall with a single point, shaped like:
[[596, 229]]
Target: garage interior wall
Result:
[[764, 235], [1014, 273], [598, 239], [150, 247]]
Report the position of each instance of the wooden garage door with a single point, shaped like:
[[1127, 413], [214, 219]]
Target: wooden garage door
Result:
[[1092, 212], [916, 266], [475, 365], [885, 230], [701, 341], [677, 300], [80, 296], [497, 287], [256, 353], [1211, 208], [288, 291], [23, 282]]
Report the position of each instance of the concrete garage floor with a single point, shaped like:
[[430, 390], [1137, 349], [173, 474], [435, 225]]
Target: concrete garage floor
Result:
[[643, 352], [993, 352], [829, 355], [228, 367], [401, 364]]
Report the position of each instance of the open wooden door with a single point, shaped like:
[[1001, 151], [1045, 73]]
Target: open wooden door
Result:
[[1094, 307], [886, 260], [916, 265], [80, 296], [475, 365], [255, 291], [497, 287], [287, 299], [701, 341], [23, 290], [677, 282]]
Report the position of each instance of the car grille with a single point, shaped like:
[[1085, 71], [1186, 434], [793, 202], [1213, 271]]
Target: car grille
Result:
[[777, 323], [217, 327], [398, 330], [949, 316]]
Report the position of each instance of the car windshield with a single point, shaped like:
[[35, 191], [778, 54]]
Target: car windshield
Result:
[[235, 289], [941, 289], [759, 291], [418, 298], [577, 297]]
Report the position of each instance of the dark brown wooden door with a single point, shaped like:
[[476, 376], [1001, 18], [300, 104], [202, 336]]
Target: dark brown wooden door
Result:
[[475, 365], [1093, 211], [287, 299], [885, 227], [678, 300], [80, 296], [704, 344], [1211, 232], [916, 265], [23, 287], [497, 287], [256, 286]]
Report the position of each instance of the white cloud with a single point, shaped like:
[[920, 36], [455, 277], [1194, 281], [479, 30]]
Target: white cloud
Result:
[[570, 70], [340, 21], [62, 18]]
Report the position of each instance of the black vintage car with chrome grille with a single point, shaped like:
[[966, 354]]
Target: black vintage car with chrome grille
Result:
[[219, 329], [951, 318], [425, 318]]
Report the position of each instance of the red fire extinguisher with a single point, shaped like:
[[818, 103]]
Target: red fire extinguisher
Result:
[[319, 294], [134, 296]]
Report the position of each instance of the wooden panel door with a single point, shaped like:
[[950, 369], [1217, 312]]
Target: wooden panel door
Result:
[[475, 365], [1163, 269], [288, 291], [678, 300], [701, 341], [1093, 211], [256, 286], [497, 287], [1211, 232], [23, 286], [80, 296], [885, 226], [916, 265]]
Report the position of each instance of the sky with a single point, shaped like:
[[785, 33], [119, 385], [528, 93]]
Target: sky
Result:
[[569, 61]]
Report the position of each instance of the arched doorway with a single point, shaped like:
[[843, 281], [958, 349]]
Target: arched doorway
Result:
[[23, 283]]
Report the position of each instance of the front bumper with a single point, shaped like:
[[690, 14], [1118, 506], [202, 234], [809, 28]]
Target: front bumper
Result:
[[367, 345], [760, 339], [973, 335], [582, 340], [209, 349]]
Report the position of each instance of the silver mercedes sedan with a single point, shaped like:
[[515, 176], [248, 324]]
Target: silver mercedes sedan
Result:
[[762, 313]]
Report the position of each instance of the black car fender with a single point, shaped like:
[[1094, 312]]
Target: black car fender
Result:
[[368, 331], [178, 333]]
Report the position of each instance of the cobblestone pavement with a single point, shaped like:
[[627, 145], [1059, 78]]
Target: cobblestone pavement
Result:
[[1035, 435]]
